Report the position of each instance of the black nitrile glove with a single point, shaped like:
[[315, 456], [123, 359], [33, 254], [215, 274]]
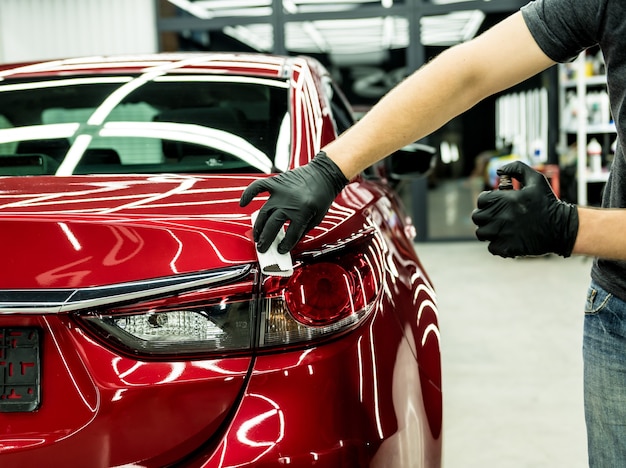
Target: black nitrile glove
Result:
[[302, 196], [529, 221]]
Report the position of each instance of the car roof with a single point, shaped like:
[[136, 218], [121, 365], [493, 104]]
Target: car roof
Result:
[[252, 64]]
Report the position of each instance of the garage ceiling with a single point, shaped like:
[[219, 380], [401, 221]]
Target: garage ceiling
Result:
[[339, 38]]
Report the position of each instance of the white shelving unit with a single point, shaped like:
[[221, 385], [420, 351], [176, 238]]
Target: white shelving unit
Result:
[[581, 127]]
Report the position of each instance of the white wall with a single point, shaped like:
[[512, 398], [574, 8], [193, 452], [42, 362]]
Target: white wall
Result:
[[50, 29]]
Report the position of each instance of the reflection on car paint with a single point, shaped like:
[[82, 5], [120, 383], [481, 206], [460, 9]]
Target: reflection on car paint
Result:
[[366, 394]]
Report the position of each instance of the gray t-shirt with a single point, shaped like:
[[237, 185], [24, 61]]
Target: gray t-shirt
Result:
[[562, 29]]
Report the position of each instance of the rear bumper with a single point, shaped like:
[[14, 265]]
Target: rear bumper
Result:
[[358, 401], [101, 409]]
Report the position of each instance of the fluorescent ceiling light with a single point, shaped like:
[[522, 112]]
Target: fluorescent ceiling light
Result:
[[338, 37], [256, 36]]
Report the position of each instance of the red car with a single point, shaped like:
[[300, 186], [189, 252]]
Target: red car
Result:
[[136, 327]]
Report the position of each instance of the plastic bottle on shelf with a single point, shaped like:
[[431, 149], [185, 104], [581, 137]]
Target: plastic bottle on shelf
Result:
[[594, 153], [570, 112], [539, 155], [594, 115], [611, 155], [605, 109]]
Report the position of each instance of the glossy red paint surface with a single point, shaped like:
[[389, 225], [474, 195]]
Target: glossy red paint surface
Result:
[[359, 401], [368, 396], [102, 407]]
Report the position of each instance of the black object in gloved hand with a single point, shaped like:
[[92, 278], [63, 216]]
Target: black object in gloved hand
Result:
[[529, 221], [301, 196]]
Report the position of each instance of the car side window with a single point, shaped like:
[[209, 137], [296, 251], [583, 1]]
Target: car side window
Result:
[[342, 113], [6, 148]]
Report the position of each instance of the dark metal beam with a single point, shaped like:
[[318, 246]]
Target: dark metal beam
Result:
[[278, 28], [486, 6], [415, 54], [187, 23]]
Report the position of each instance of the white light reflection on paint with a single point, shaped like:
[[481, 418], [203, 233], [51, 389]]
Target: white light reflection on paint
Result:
[[217, 251], [122, 375], [360, 359], [432, 328], [183, 185], [69, 271], [64, 83], [356, 197], [361, 287], [69, 197], [348, 288], [178, 251], [19, 443], [248, 426], [375, 383], [406, 446], [374, 255], [70, 236], [298, 103], [70, 374], [130, 465], [101, 187], [301, 358], [31, 68], [118, 394], [427, 286], [426, 303], [177, 369], [220, 79], [123, 237], [214, 366]]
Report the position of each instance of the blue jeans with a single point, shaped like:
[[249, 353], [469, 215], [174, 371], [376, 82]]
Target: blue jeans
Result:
[[604, 355]]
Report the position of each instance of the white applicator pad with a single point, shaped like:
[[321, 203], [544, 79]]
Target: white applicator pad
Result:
[[271, 262]]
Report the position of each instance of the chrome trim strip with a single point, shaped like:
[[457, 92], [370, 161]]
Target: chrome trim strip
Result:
[[54, 301], [366, 231]]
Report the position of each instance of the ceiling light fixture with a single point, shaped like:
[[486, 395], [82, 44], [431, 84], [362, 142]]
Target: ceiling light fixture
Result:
[[192, 8]]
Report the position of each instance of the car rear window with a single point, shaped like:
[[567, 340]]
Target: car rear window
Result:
[[141, 124]]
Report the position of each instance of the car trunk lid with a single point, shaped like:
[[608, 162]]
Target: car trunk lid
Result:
[[93, 237], [73, 232]]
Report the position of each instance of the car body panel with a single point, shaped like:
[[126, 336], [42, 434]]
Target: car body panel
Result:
[[373, 410], [366, 395], [96, 402], [92, 230]]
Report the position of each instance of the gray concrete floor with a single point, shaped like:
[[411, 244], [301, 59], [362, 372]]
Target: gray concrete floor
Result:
[[511, 337]]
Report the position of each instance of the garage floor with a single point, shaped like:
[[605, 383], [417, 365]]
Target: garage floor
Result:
[[511, 332]]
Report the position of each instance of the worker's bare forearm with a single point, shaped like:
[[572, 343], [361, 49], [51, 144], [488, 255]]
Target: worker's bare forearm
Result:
[[416, 107], [601, 233], [444, 88]]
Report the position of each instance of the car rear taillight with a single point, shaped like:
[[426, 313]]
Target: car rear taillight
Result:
[[324, 296], [328, 293], [216, 319]]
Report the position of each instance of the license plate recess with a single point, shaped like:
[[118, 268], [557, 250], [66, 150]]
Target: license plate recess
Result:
[[20, 369]]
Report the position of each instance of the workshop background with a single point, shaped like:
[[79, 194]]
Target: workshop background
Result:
[[511, 329]]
